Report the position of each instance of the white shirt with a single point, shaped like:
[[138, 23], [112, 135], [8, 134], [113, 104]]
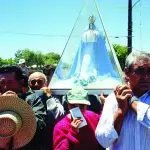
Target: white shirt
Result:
[[135, 130]]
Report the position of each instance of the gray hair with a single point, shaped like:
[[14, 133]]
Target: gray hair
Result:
[[45, 78], [42, 74], [133, 57]]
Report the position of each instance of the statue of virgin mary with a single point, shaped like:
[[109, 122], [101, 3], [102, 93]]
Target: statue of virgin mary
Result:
[[92, 60]]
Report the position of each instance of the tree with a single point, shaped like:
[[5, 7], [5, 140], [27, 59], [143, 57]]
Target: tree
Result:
[[10, 61], [37, 58], [6, 61], [18, 55], [52, 58], [122, 53], [1, 61], [28, 55]]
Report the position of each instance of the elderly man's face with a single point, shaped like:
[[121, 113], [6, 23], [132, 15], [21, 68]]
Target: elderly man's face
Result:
[[36, 81], [139, 77], [8, 82]]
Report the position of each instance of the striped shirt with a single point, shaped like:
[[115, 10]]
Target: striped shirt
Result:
[[135, 131]]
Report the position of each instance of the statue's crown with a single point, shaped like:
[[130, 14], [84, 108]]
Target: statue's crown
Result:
[[91, 19]]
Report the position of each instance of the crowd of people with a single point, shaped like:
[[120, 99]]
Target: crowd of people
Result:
[[33, 118]]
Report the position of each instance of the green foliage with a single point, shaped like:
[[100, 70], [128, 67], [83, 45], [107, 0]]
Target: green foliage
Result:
[[37, 58], [18, 55], [121, 52], [10, 61], [6, 61], [52, 58], [1, 61]]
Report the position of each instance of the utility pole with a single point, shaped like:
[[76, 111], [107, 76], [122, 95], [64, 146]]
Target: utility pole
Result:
[[129, 26], [130, 7]]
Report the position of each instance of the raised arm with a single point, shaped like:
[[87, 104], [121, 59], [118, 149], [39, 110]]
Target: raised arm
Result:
[[115, 108]]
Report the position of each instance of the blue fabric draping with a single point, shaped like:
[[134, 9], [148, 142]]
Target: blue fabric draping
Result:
[[91, 62]]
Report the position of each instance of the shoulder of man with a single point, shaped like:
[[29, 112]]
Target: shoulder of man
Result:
[[38, 107], [54, 106], [32, 97]]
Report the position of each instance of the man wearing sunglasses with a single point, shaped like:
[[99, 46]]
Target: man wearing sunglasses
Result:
[[38, 84], [37, 80], [125, 120]]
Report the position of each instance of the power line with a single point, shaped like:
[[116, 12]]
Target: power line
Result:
[[33, 34], [49, 35]]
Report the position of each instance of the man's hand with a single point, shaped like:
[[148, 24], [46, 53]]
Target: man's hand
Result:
[[102, 98], [123, 94], [75, 124], [47, 91], [10, 93]]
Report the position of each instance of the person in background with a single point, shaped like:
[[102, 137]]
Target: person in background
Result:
[[96, 103], [55, 111], [125, 120], [67, 134], [22, 65], [12, 80], [48, 70], [37, 80], [38, 83]]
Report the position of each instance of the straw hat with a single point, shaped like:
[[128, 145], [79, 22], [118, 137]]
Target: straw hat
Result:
[[17, 120]]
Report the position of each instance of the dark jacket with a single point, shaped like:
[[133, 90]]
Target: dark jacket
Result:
[[55, 112], [35, 102]]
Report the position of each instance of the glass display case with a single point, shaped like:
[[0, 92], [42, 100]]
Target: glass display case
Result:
[[88, 58]]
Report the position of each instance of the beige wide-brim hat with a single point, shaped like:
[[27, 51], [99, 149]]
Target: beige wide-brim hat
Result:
[[17, 121]]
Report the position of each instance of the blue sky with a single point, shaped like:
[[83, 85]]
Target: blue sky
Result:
[[46, 24]]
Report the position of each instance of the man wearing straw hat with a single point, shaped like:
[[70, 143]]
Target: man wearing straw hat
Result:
[[11, 81]]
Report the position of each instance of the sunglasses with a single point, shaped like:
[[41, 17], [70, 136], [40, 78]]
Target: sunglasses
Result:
[[142, 71], [39, 82]]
